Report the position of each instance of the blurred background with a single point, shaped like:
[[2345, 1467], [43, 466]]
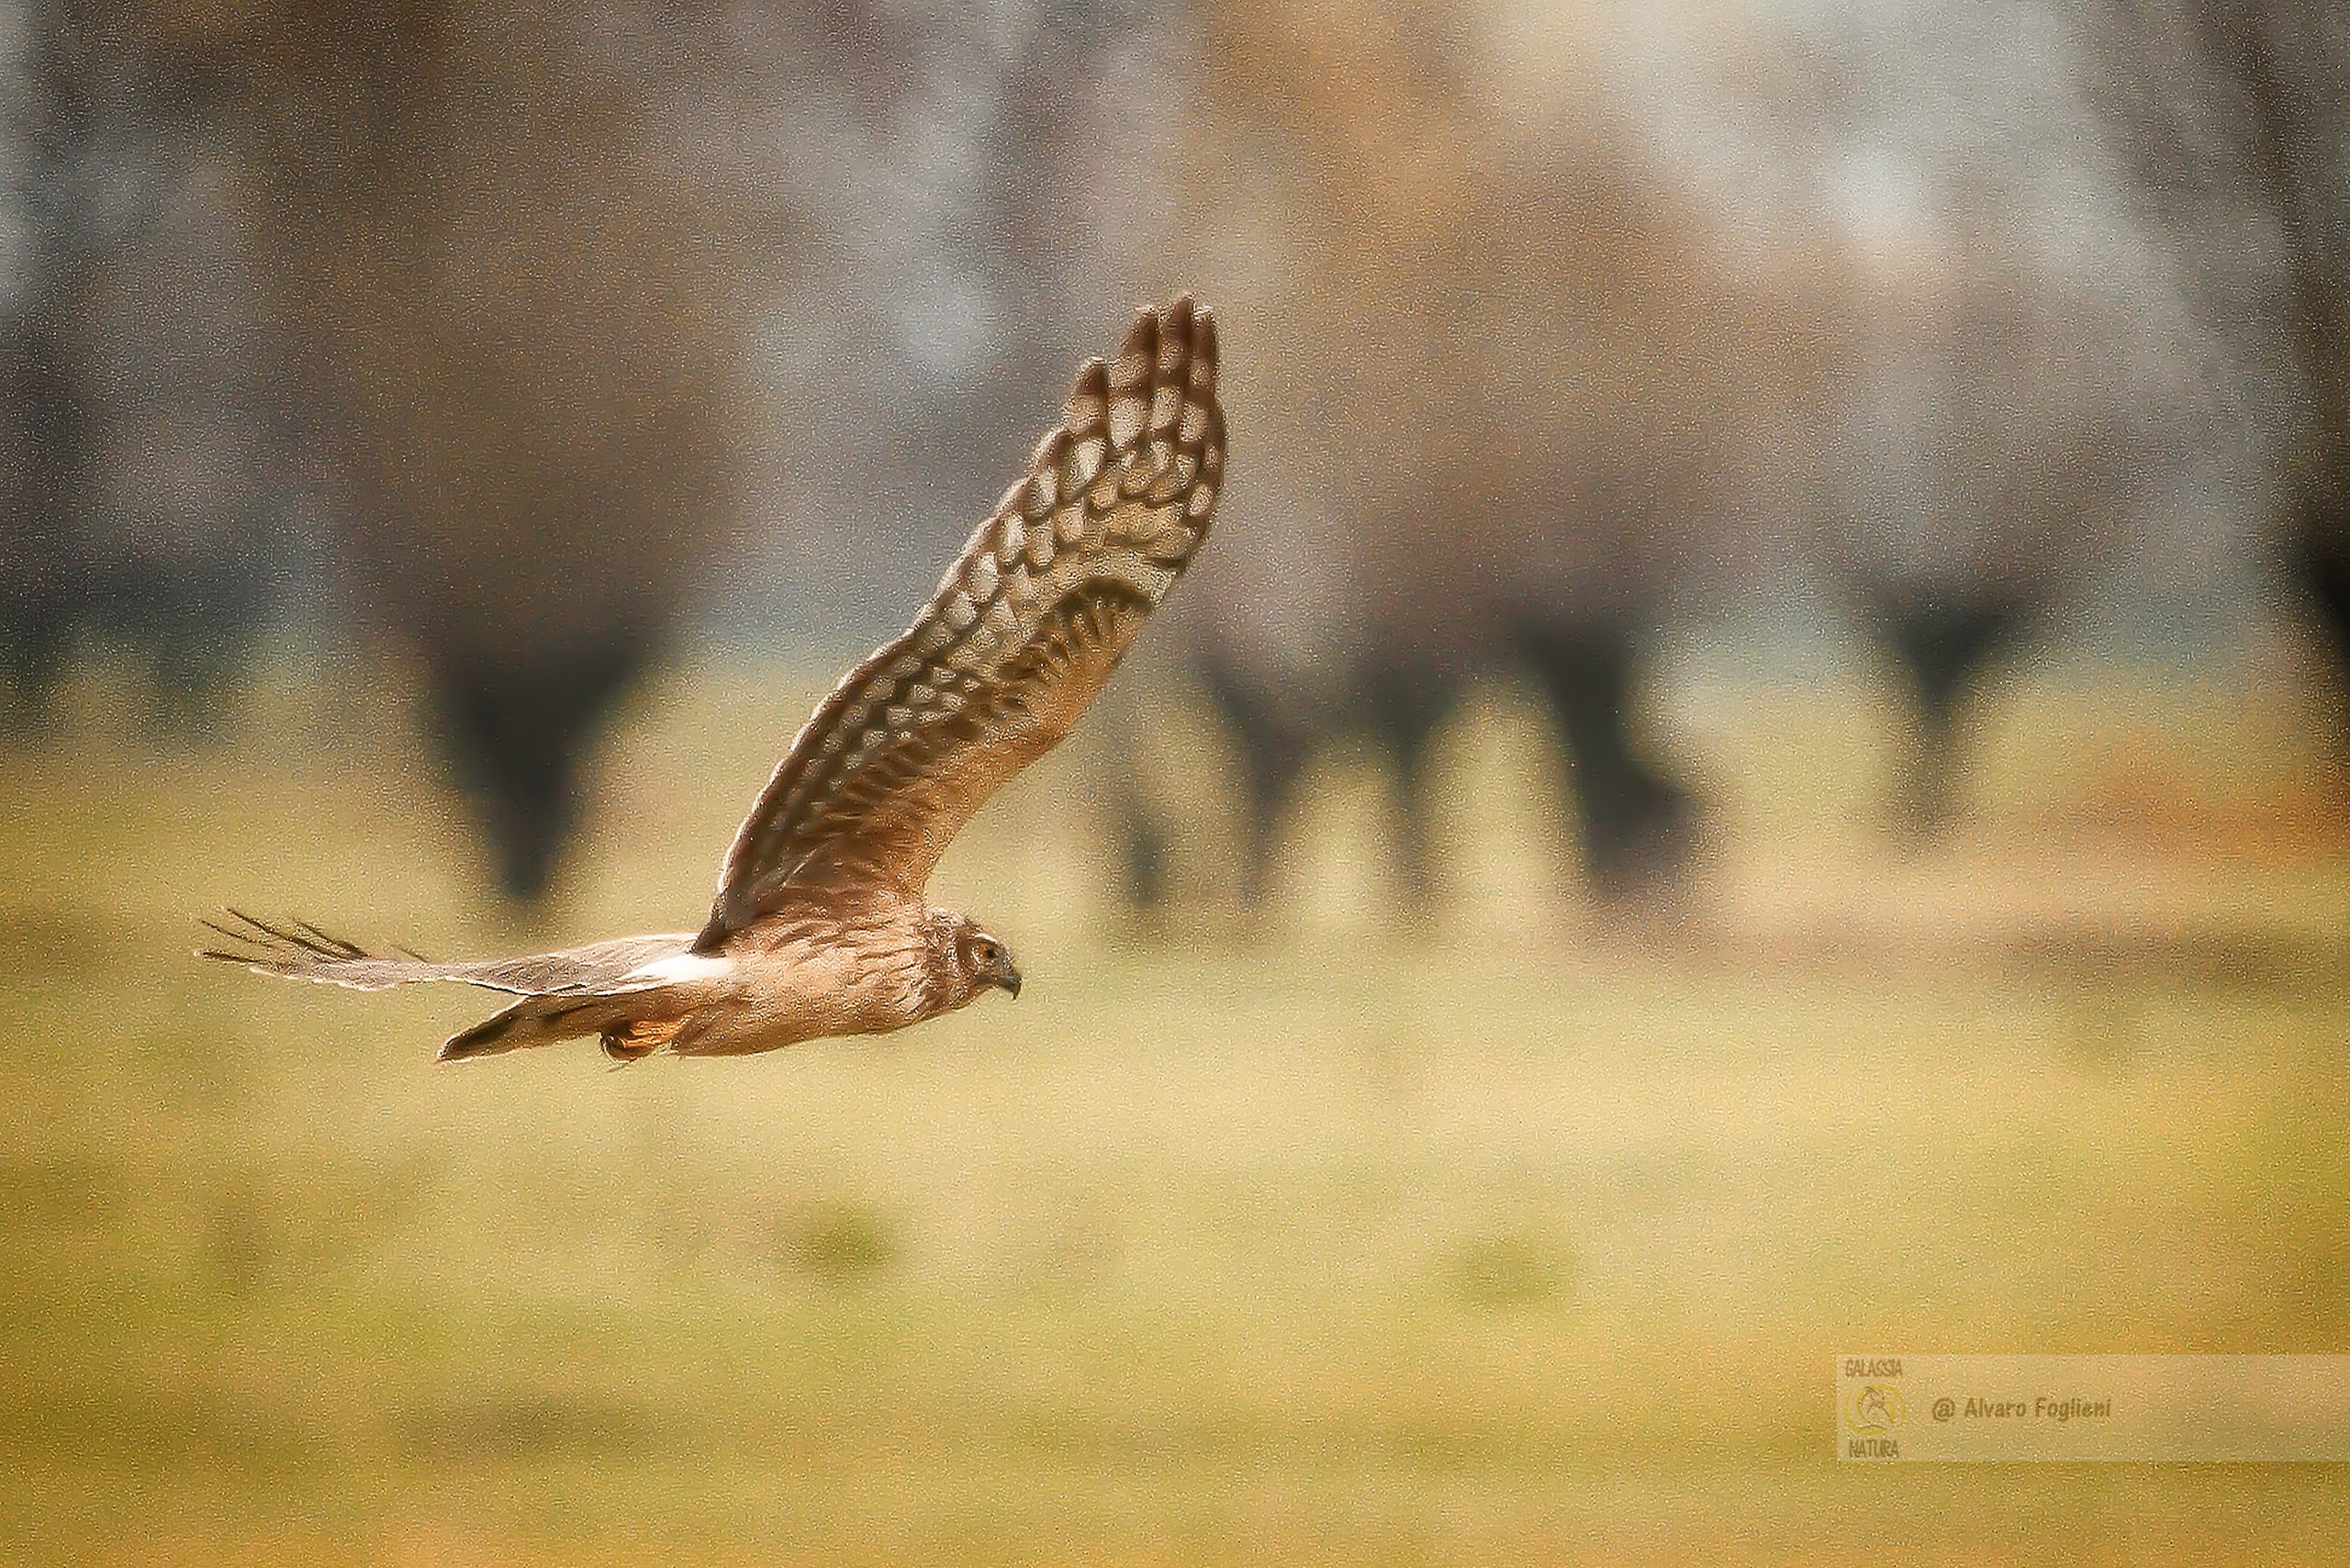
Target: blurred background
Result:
[[1754, 770]]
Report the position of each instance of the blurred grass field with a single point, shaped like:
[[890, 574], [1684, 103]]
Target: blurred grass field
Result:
[[1516, 1239]]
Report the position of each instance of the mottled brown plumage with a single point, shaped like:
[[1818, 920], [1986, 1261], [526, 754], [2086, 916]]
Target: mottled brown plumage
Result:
[[820, 927]]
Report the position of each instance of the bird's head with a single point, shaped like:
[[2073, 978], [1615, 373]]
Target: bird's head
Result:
[[982, 959]]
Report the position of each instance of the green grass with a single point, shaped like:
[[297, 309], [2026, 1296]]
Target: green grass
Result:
[[1514, 1239]]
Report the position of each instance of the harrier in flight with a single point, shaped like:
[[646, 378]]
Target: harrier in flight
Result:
[[820, 926]]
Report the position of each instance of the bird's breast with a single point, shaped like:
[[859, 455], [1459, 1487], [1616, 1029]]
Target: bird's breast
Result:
[[845, 978]]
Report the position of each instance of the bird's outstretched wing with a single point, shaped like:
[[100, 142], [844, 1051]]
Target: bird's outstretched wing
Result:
[[295, 949], [1020, 638]]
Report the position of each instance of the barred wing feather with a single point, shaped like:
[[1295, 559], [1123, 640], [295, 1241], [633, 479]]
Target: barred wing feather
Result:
[[1020, 638]]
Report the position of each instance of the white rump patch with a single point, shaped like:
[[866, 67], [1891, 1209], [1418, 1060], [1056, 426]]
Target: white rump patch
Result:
[[683, 966]]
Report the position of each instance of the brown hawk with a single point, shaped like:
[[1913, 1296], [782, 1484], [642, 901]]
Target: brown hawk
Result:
[[820, 926]]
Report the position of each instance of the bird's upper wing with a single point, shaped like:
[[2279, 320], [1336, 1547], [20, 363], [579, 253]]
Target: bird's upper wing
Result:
[[1020, 638]]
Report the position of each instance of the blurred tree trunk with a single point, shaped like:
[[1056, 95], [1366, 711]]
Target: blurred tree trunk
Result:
[[2233, 119], [511, 254]]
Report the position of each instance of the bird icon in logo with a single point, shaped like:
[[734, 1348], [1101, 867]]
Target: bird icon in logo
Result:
[[1875, 1408]]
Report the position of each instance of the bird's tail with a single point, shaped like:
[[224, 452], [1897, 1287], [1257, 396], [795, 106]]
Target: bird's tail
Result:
[[544, 1020], [613, 989]]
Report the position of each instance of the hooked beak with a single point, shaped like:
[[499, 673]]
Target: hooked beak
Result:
[[1010, 981]]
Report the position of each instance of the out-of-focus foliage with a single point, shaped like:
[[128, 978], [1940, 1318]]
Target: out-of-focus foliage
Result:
[[2234, 123], [528, 334]]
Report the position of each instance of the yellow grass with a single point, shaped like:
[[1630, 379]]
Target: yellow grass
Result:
[[1519, 1238]]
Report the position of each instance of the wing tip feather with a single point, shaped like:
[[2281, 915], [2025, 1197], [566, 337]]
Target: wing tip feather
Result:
[[1088, 399], [1137, 352], [290, 948]]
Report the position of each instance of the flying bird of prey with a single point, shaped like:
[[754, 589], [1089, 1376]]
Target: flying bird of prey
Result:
[[820, 926]]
